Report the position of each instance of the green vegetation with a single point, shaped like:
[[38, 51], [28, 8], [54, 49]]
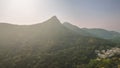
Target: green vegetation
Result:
[[107, 59], [51, 45]]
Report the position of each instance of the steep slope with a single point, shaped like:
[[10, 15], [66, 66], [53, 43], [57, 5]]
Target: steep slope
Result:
[[76, 29]]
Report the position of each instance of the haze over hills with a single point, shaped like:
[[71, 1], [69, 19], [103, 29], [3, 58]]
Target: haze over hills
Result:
[[51, 44], [95, 32]]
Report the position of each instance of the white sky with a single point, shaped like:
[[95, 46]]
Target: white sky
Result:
[[25, 12], [84, 13]]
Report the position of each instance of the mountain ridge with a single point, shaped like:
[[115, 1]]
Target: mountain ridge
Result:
[[56, 20], [54, 23]]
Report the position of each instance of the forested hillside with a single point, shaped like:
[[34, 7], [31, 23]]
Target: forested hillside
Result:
[[49, 45]]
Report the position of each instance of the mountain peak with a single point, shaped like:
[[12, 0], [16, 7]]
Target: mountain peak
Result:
[[54, 20], [54, 17]]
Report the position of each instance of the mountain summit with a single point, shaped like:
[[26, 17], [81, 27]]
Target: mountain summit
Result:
[[54, 20]]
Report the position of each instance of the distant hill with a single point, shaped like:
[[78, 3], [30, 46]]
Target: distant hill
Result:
[[76, 29], [48, 45], [102, 33], [95, 32]]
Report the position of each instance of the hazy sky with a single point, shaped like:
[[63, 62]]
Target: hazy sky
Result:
[[84, 13]]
